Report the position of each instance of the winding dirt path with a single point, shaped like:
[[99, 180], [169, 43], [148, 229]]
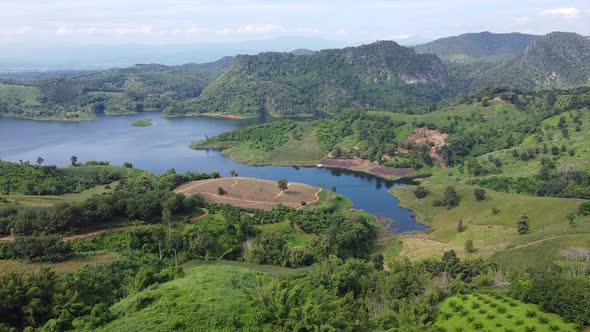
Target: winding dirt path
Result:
[[317, 198], [539, 241]]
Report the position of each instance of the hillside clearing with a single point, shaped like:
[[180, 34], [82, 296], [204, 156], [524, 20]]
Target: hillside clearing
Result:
[[252, 193]]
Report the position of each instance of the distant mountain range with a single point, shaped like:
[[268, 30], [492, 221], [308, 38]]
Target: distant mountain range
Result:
[[54, 58], [478, 46], [381, 75], [385, 75]]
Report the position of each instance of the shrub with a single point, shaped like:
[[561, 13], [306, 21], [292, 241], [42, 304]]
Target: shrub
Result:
[[522, 224], [283, 184], [421, 192], [543, 320], [450, 197], [480, 194], [495, 210], [584, 209], [519, 322], [220, 191], [530, 313], [469, 247], [460, 227]]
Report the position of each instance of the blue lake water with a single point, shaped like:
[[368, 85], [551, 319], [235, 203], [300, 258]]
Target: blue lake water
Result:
[[165, 145]]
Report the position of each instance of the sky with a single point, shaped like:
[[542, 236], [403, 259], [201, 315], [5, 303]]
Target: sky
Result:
[[79, 22]]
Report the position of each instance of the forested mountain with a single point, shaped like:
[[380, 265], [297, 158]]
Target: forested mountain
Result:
[[482, 45], [558, 57], [115, 91], [380, 75]]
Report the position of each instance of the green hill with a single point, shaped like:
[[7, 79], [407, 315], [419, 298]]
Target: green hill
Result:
[[380, 75]]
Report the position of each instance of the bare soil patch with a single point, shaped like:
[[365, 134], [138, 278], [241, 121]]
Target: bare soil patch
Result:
[[364, 165], [425, 136], [252, 193], [393, 171]]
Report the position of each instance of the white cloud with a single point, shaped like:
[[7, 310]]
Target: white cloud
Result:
[[400, 36], [62, 31], [565, 12], [104, 30], [251, 29], [15, 31]]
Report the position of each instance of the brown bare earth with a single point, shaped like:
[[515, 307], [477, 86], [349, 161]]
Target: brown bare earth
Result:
[[425, 136], [252, 193], [364, 165]]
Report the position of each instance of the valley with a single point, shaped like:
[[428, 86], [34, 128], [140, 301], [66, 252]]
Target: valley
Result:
[[439, 187]]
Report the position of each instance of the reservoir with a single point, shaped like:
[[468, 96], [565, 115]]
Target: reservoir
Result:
[[164, 145]]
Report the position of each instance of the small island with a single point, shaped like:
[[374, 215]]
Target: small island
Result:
[[142, 123]]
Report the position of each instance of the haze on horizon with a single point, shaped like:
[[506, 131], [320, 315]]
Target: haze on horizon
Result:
[[68, 22]]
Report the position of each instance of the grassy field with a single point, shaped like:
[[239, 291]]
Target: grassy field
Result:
[[301, 149], [142, 123], [275, 271], [210, 297], [491, 224], [466, 116], [550, 135], [70, 265], [495, 312], [252, 193], [49, 200], [294, 237]]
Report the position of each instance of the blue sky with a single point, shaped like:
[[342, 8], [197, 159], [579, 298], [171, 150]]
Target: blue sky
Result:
[[183, 21]]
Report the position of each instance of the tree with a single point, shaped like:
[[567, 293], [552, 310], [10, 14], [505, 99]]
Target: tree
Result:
[[421, 192], [450, 198], [333, 188], [127, 165], [40, 161], [233, 173], [460, 227], [74, 160], [283, 184], [220, 191], [469, 247], [480, 194], [522, 224], [378, 262]]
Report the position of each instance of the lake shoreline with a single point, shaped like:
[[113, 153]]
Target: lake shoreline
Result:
[[210, 115]]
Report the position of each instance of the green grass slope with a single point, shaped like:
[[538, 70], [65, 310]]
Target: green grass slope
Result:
[[207, 298]]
